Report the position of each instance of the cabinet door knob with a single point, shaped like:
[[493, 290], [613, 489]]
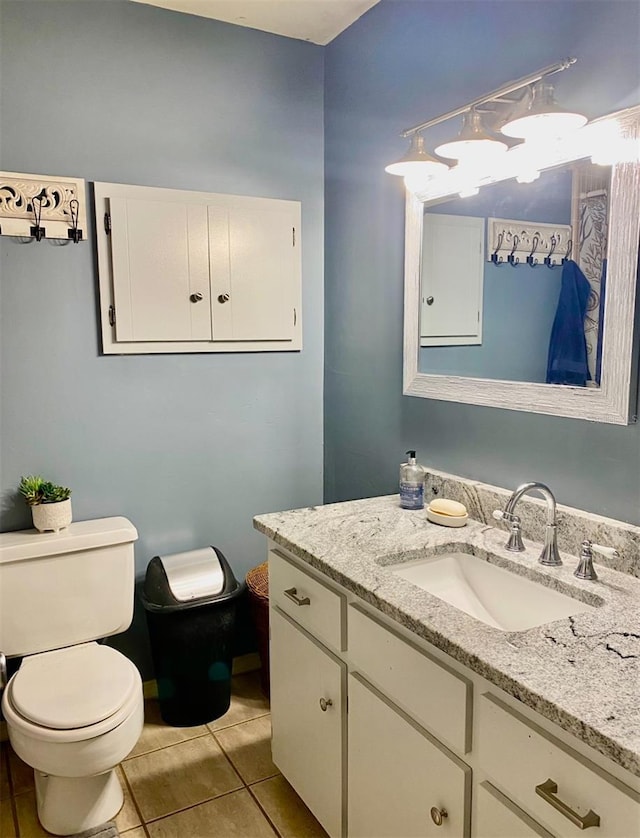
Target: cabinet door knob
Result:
[[324, 703], [438, 815], [222, 298], [195, 298], [429, 301]]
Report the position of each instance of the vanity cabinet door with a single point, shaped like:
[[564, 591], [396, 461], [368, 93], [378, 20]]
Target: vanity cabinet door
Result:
[[398, 774], [495, 816], [308, 686]]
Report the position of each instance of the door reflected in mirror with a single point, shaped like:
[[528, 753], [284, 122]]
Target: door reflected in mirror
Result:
[[493, 300]]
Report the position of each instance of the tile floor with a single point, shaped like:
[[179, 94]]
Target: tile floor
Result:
[[210, 781]]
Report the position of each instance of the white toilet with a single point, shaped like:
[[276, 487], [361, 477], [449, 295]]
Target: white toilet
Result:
[[74, 708]]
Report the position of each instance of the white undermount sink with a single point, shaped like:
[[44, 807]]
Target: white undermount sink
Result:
[[487, 592]]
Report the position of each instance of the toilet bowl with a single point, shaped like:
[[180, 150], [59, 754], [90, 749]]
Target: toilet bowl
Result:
[[74, 708], [73, 715]]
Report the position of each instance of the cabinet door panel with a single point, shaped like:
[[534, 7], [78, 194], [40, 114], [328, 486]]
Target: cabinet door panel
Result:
[[160, 257], [496, 816], [397, 773], [307, 744], [262, 271], [452, 278]]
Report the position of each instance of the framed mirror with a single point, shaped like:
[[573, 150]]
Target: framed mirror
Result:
[[483, 279]]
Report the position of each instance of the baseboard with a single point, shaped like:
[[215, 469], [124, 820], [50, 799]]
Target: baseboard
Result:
[[242, 664]]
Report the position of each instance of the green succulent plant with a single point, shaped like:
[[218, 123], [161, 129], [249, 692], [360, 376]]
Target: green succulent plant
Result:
[[35, 490]]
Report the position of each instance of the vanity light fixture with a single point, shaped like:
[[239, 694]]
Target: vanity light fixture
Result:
[[472, 141], [544, 118], [417, 161], [534, 114]]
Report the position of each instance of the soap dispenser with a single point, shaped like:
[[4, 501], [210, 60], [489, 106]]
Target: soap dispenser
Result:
[[411, 483]]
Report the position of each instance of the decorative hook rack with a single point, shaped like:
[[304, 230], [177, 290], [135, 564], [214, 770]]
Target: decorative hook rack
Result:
[[517, 242], [38, 207]]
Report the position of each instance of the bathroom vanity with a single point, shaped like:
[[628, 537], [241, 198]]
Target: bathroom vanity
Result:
[[397, 714]]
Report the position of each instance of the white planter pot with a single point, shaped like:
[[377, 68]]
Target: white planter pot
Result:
[[51, 517]]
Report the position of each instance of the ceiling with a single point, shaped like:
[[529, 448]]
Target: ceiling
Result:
[[318, 21]]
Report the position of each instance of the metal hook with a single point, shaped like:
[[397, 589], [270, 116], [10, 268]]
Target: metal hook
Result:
[[534, 246], [37, 232], [511, 259], [498, 260], [553, 241], [565, 258], [74, 211]]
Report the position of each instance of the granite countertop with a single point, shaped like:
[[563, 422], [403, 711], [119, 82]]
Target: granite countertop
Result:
[[581, 672]]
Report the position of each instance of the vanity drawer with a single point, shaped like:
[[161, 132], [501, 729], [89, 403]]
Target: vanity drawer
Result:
[[522, 757], [434, 695], [311, 603]]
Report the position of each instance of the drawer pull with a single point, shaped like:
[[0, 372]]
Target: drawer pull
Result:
[[324, 703], [438, 815], [292, 593], [548, 789]]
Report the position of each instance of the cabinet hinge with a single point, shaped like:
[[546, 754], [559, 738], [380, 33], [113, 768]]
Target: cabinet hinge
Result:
[[112, 315], [293, 231], [107, 223]]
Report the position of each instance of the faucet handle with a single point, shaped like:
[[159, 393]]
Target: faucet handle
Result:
[[609, 552], [515, 531], [585, 569]]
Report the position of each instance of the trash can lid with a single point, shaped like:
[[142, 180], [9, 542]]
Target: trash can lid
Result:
[[183, 580]]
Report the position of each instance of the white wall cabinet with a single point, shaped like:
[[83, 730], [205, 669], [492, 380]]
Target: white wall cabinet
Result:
[[411, 733], [197, 272]]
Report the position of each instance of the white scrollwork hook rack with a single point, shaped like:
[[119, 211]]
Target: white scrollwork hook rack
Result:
[[42, 207]]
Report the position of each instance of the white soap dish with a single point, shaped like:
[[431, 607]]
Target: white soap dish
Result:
[[446, 520]]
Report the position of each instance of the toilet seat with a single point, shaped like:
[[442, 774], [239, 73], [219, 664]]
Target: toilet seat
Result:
[[73, 694]]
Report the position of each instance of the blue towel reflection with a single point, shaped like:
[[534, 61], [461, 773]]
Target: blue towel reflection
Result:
[[567, 360]]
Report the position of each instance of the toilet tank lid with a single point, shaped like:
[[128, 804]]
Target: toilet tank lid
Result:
[[81, 535]]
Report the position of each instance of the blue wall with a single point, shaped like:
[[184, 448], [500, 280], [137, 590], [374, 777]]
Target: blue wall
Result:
[[401, 63], [189, 447]]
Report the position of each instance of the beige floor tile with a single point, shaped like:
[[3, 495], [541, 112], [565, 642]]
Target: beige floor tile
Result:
[[232, 816], [21, 773], [127, 817], [28, 822], [157, 734], [134, 833], [286, 810], [248, 746], [183, 775], [247, 701], [7, 826]]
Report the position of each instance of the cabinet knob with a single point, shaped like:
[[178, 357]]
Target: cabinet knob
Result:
[[195, 298], [438, 815], [222, 298], [429, 301], [324, 703]]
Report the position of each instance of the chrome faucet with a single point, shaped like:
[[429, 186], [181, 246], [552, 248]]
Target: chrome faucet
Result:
[[549, 555]]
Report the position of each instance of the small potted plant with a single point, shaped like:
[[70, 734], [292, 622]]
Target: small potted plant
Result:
[[50, 504]]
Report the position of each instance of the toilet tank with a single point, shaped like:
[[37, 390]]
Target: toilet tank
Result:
[[59, 589]]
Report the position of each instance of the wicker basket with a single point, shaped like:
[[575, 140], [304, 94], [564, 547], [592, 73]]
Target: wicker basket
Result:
[[258, 588]]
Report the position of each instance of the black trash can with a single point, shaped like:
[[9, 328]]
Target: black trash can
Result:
[[190, 601]]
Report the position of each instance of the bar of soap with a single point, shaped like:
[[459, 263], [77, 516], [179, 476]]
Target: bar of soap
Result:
[[443, 506]]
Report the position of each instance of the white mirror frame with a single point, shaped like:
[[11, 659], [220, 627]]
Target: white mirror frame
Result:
[[614, 400]]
